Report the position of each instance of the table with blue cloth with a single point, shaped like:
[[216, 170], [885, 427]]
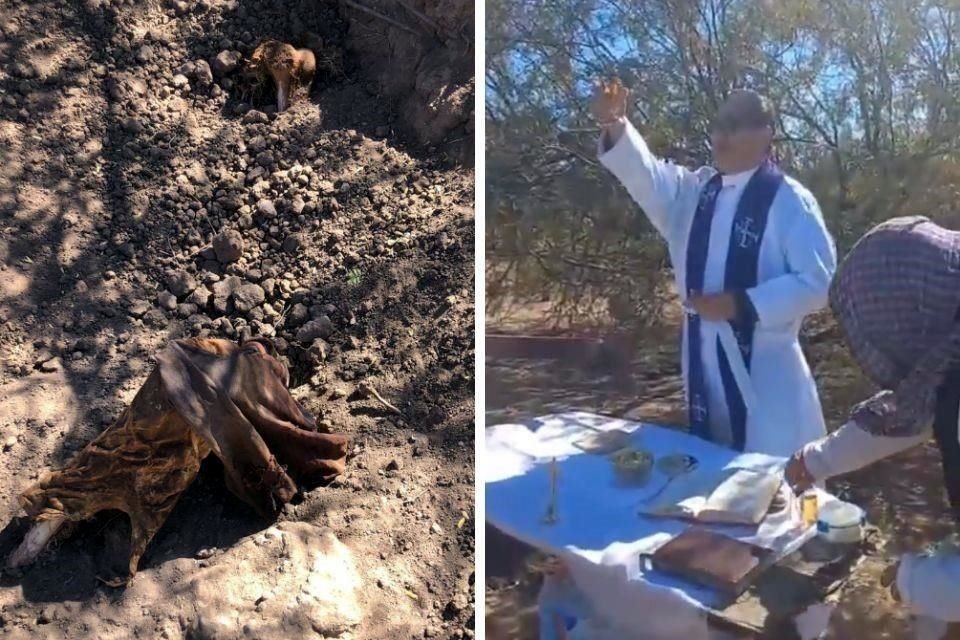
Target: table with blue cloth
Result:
[[600, 535]]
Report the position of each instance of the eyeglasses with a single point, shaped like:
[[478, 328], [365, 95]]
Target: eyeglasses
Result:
[[734, 124]]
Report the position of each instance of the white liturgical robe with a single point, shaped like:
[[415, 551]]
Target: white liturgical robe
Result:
[[795, 264]]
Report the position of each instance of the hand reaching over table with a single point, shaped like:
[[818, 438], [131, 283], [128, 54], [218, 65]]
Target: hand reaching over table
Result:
[[797, 475]]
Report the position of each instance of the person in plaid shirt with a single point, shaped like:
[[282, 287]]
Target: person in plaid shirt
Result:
[[897, 298]]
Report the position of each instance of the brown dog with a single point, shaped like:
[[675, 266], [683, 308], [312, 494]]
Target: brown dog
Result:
[[289, 68]]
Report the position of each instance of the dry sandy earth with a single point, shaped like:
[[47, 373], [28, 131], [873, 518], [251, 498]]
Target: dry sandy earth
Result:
[[121, 156], [903, 495]]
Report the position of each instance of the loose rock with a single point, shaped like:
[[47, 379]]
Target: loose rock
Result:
[[181, 283], [145, 54], [266, 209], [247, 297], [293, 244], [318, 351], [228, 246], [167, 300], [319, 328], [226, 62]]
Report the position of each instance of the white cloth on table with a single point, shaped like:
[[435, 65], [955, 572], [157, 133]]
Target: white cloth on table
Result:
[[599, 532], [796, 263]]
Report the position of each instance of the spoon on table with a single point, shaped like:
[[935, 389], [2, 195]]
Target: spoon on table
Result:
[[673, 467]]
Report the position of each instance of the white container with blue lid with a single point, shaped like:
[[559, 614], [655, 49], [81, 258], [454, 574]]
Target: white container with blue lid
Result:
[[841, 522]]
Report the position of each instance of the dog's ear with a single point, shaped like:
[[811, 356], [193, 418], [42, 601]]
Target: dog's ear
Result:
[[189, 389]]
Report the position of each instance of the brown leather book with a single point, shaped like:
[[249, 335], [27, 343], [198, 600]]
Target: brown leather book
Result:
[[712, 560]]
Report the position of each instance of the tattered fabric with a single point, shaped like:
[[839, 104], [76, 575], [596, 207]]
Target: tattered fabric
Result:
[[204, 396]]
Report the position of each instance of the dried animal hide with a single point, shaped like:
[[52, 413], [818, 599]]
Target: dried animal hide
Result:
[[204, 396]]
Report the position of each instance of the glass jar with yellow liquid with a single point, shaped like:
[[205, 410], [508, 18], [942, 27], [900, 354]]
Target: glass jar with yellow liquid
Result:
[[809, 508]]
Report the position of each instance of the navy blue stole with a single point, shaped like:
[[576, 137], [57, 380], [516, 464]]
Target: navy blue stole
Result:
[[749, 224]]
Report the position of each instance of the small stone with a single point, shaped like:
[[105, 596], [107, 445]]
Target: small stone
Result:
[[269, 285], [167, 300], [51, 365], [180, 81], [318, 351], [9, 443], [185, 310], [435, 528], [228, 246], [202, 73], [255, 117], [81, 287], [132, 125], [155, 318], [319, 328], [181, 7], [223, 291], [145, 54], [181, 283], [203, 554], [455, 606], [293, 243], [267, 209], [226, 62], [200, 296], [298, 315], [248, 296], [139, 308]]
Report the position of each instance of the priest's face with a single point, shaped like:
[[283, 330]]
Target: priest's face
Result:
[[741, 134]]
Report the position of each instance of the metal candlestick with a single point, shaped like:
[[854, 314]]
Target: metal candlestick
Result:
[[550, 517]]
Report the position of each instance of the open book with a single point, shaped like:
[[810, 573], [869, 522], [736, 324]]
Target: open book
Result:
[[728, 496]]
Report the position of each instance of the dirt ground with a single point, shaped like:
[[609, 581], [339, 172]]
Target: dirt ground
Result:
[[902, 495], [126, 145]]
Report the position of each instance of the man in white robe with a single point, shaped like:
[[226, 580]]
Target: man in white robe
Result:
[[751, 256]]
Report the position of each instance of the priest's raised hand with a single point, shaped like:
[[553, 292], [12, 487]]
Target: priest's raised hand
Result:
[[609, 109], [609, 102]]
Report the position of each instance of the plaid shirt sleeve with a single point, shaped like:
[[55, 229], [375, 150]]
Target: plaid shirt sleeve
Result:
[[909, 408]]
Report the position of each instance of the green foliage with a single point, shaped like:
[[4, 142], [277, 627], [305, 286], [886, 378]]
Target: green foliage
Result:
[[354, 278], [867, 99]]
